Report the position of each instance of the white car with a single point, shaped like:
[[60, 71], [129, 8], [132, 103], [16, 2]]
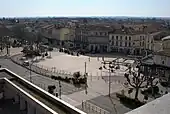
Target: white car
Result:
[[26, 63]]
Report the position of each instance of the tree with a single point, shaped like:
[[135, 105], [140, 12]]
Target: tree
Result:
[[136, 81], [51, 89], [76, 75], [19, 32]]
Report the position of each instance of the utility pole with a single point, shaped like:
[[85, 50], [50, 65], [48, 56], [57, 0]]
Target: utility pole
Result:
[[60, 89], [85, 77]]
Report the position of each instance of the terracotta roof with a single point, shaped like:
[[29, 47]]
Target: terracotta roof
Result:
[[126, 31], [96, 27]]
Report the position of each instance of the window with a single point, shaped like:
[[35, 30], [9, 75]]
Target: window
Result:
[[129, 44], [142, 43], [120, 37], [129, 38], [126, 38], [120, 43], [125, 44], [116, 43], [112, 42], [100, 33], [140, 37], [163, 62], [112, 37], [116, 37]]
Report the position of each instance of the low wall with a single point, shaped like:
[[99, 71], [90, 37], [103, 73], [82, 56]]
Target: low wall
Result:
[[11, 90], [60, 103]]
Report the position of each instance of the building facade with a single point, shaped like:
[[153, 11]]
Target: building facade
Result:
[[130, 42]]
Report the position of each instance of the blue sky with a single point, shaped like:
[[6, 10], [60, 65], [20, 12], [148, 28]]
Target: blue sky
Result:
[[33, 8]]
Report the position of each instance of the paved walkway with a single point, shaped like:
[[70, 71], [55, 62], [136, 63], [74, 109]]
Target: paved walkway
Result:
[[95, 89]]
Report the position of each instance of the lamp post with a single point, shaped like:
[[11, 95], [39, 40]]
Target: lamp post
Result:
[[85, 77], [60, 89], [110, 69]]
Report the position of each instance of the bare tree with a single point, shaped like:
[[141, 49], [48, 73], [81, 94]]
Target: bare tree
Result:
[[136, 81]]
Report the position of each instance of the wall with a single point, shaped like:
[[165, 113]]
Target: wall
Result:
[[157, 46], [63, 32], [98, 40], [11, 90], [166, 44], [158, 59], [56, 33]]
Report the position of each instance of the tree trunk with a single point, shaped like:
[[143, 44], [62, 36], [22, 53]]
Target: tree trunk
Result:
[[153, 94], [136, 94]]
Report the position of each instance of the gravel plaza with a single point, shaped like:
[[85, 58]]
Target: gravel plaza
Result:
[[68, 63]]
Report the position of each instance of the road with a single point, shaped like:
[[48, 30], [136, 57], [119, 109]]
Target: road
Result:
[[37, 79]]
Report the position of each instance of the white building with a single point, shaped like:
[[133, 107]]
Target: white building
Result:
[[132, 42]]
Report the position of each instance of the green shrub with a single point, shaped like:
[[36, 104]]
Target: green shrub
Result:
[[129, 101], [53, 77]]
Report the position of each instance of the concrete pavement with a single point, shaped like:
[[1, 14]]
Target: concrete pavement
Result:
[[36, 78]]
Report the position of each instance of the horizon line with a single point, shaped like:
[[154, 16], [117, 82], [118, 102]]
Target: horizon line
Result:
[[70, 16]]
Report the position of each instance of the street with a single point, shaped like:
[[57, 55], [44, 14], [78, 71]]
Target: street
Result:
[[37, 79]]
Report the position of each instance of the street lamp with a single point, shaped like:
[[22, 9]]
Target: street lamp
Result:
[[85, 77], [60, 89], [110, 69]]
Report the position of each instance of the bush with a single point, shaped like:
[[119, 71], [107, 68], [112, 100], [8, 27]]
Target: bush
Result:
[[76, 75], [67, 79], [72, 53], [51, 88], [133, 103], [82, 80], [149, 90], [53, 77], [60, 50]]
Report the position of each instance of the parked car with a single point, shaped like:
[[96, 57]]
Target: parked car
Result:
[[26, 63]]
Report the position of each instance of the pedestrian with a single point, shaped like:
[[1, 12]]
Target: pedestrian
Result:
[[89, 59]]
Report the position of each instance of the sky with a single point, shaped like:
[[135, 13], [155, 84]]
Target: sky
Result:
[[41, 8]]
